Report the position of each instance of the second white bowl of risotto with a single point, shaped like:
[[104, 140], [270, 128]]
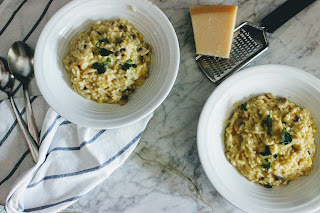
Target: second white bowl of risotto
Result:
[[106, 63], [258, 139]]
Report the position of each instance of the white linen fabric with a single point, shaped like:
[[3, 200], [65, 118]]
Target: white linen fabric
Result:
[[73, 159]]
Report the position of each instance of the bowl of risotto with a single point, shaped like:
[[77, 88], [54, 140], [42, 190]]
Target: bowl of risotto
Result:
[[258, 139], [106, 63]]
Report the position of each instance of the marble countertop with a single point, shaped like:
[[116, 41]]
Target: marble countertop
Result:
[[164, 174]]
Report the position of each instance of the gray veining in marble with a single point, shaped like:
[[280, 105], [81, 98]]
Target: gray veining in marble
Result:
[[164, 173]]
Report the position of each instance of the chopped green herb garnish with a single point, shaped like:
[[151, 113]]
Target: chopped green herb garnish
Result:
[[266, 166], [266, 152], [127, 66], [100, 67], [286, 137], [275, 155], [284, 122], [108, 60], [129, 60], [105, 52], [243, 107], [105, 40], [268, 123]]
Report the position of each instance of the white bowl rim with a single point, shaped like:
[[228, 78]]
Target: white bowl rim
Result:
[[203, 120], [108, 124]]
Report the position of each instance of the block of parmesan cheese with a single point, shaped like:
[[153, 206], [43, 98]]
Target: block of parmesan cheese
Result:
[[213, 27]]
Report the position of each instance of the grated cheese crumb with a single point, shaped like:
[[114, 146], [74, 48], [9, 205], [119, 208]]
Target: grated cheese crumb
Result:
[[133, 8]]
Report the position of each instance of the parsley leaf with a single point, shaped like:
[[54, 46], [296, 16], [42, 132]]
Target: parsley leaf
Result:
[[100, 67], [275, 155], [127, 66], [266, 166], [129, 60], [266, 152], [286, 137], [105, 40], [243, 107], [108, 60], [105, 52], [268, 123]]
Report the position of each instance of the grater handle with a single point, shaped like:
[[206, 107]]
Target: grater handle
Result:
[[283, 13]]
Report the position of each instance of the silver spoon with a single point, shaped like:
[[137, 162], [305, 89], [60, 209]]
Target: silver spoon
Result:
[[6, 85], [20, 60]]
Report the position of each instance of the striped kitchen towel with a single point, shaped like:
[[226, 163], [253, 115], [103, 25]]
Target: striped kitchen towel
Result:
[[73, 159]]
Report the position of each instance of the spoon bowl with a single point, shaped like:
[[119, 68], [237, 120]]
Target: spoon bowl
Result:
[[20, 59], [6, 77]]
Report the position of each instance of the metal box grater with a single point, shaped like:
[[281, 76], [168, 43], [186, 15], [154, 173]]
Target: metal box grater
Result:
[[249, 41]]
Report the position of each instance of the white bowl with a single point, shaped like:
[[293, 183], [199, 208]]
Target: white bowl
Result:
[[302, 195], [55, 85]]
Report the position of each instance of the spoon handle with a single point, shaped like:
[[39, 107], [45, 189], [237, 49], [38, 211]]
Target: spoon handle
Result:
[[30, 117], [33, 147]]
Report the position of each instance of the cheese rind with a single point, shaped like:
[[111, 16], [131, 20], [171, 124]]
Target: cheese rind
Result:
[[213, 27]]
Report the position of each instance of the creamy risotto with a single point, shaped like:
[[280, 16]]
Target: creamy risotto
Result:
[[108, 61], [271, 140]]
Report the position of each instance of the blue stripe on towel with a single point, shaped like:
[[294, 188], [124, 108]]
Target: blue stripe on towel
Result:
[[14, 123], [49, 129], [51, 205], [38, 22], [11, 18], [91, 169], [65, 122], [16, 89], [62, 123], [15, 167], [23, 157], [77, 147]]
